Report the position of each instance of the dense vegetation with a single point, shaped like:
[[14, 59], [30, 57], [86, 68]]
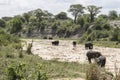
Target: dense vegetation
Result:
[[86, 25]]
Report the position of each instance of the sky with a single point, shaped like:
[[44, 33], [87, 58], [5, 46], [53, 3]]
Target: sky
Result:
[[16, 7]]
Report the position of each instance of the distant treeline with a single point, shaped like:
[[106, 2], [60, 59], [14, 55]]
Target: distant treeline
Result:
[[86, 25]]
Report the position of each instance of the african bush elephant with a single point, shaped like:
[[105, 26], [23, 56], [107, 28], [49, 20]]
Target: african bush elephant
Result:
[[74, 43], [88, 46], [101, 61], [92, 55], [99, 58], [56, 43]]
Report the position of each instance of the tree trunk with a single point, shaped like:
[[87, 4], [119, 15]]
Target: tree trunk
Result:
[[75, 19], [91, 17]]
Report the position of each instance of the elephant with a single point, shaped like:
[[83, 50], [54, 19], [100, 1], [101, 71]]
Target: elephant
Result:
[[101, 61], [92, 55], [88, 46], [55, 43], [97, 56], [74, 43]]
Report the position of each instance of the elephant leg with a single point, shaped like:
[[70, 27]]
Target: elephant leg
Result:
[[103, 63], [89, 59]]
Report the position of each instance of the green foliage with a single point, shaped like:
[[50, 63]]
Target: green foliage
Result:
[[20, 54], [16, 71], [40, 75], [2, 23], [106, 26], [54, 26], [103, 16], [26, 17], [47, 68], [9, 53], [6, 18], [80, 20], [39, 14], [42, 25], [61, 15], [67, 29], [86, 18], [92, 36], [93, 10], [6, 39], [32, 21], [99, 30], [113, 15], [76, 9], [97, 35], [15, 25], [115, 35], [86, 26]]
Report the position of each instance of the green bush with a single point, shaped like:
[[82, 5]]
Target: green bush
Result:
[[115, 34], [40, 75], [16, 71], [7, 52]]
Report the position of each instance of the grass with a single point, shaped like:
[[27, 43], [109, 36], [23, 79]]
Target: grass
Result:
[[111, 44], [54, 69]]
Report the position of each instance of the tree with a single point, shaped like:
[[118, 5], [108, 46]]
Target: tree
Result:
[[80, 20], [76, 9], [103, 16], [47, 13], [6, 18], [32, 21], [26, 17], [39, 14], [2, 23], [93, 10], [86, 18], [115, 34], [16, 25], [113, 15], [61, 15]]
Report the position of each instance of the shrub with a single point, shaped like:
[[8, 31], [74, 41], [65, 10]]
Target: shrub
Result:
[[8, 52], [40, 75], [16, 71], [93, 72], [115, 34], [106, 26]]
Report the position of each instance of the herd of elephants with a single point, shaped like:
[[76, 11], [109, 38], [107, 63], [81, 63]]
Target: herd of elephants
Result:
[[97, 56]]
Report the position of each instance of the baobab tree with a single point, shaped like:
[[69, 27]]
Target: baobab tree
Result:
[[93, 10], [76, 10]]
